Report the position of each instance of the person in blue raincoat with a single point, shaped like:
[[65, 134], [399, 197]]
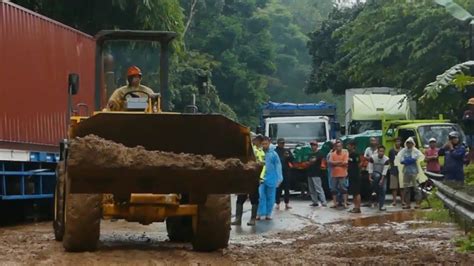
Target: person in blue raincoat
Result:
[[454, 153], [272, 177]]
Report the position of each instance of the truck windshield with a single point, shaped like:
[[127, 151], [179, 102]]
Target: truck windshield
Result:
[[360, 126], [299, 132], [439, 132]]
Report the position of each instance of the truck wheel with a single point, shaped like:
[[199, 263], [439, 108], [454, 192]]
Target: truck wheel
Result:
[[82, 221], [213, 224], [180, 229], [58, 222]]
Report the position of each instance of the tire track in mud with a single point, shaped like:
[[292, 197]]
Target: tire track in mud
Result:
[[409, 242]]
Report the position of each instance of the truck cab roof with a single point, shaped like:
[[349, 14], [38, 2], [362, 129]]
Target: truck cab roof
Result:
[[297, 119]]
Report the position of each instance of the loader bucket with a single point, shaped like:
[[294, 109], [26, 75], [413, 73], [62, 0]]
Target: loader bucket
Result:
[[169, 132]]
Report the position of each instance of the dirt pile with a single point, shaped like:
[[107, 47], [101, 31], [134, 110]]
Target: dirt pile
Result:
[[93, 150]]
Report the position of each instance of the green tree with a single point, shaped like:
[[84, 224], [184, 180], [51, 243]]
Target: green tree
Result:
[[91, 16], [238, 37], [393, 43]]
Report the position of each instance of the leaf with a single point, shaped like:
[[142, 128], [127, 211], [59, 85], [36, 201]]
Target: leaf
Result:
[[453, 76]]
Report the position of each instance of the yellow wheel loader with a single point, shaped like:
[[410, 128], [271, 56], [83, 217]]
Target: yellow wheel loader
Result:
[[194, 202]]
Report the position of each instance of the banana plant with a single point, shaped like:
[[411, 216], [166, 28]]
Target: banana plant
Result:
[[455, 76], [456, 10]]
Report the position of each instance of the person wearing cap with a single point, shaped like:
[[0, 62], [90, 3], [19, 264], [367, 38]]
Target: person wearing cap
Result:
[[242, 198], [409, 161], [454, 153], [432, 157], [315, 173], [134, 76], [286, 157]]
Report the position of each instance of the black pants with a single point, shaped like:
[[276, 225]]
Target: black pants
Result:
[[241, 198], [284, 186]]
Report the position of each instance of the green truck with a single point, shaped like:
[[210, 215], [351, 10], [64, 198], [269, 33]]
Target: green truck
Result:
[[366, 107]]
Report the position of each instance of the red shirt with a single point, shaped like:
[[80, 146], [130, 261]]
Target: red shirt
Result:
[[433, 164]]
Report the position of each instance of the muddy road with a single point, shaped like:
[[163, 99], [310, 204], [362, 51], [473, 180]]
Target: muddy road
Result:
[[301, 236]]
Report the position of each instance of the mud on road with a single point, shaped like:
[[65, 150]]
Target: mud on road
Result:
[[129, 243]]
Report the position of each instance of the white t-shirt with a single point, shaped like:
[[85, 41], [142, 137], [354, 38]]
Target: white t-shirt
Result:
[[369, 152]]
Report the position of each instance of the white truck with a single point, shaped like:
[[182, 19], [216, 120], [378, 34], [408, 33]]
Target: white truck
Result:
[[299, 123], [366, 107]]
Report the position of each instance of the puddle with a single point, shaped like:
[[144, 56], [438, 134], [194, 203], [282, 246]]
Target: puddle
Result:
[[396, 217]]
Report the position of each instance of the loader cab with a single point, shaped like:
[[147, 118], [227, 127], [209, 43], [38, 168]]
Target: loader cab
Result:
[[119, 49]]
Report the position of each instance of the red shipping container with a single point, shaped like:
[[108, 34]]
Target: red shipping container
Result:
[[36, 56]]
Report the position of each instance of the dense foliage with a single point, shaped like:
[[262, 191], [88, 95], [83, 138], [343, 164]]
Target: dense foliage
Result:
[[394, 43], [252, 50]]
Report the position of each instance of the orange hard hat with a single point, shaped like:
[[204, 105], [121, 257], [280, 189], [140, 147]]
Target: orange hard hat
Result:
[[134, 71]]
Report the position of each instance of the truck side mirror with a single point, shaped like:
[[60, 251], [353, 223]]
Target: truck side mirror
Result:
[[202, 83], [259, 130], [73, 84]]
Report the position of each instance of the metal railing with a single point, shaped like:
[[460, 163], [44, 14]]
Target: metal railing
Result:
[[456, 201]]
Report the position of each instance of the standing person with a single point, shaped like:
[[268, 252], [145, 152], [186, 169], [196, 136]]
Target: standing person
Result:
[[453, 153], [241, 198], [314, 171], [372, 149], [394, 182], [286, 157], [368, 153], [432, 157], [378, 168], [327, 168], [338, 161], [272, 178], [409, 159], [354, 175]]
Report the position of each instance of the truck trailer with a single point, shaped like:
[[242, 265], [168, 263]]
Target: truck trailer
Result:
[[37, 54]]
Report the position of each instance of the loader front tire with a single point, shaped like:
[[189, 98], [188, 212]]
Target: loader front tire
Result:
[[58, 222], [213, 224], [82, 221]]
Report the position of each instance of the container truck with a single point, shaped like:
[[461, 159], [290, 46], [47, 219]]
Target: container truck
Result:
[[37, 54]]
